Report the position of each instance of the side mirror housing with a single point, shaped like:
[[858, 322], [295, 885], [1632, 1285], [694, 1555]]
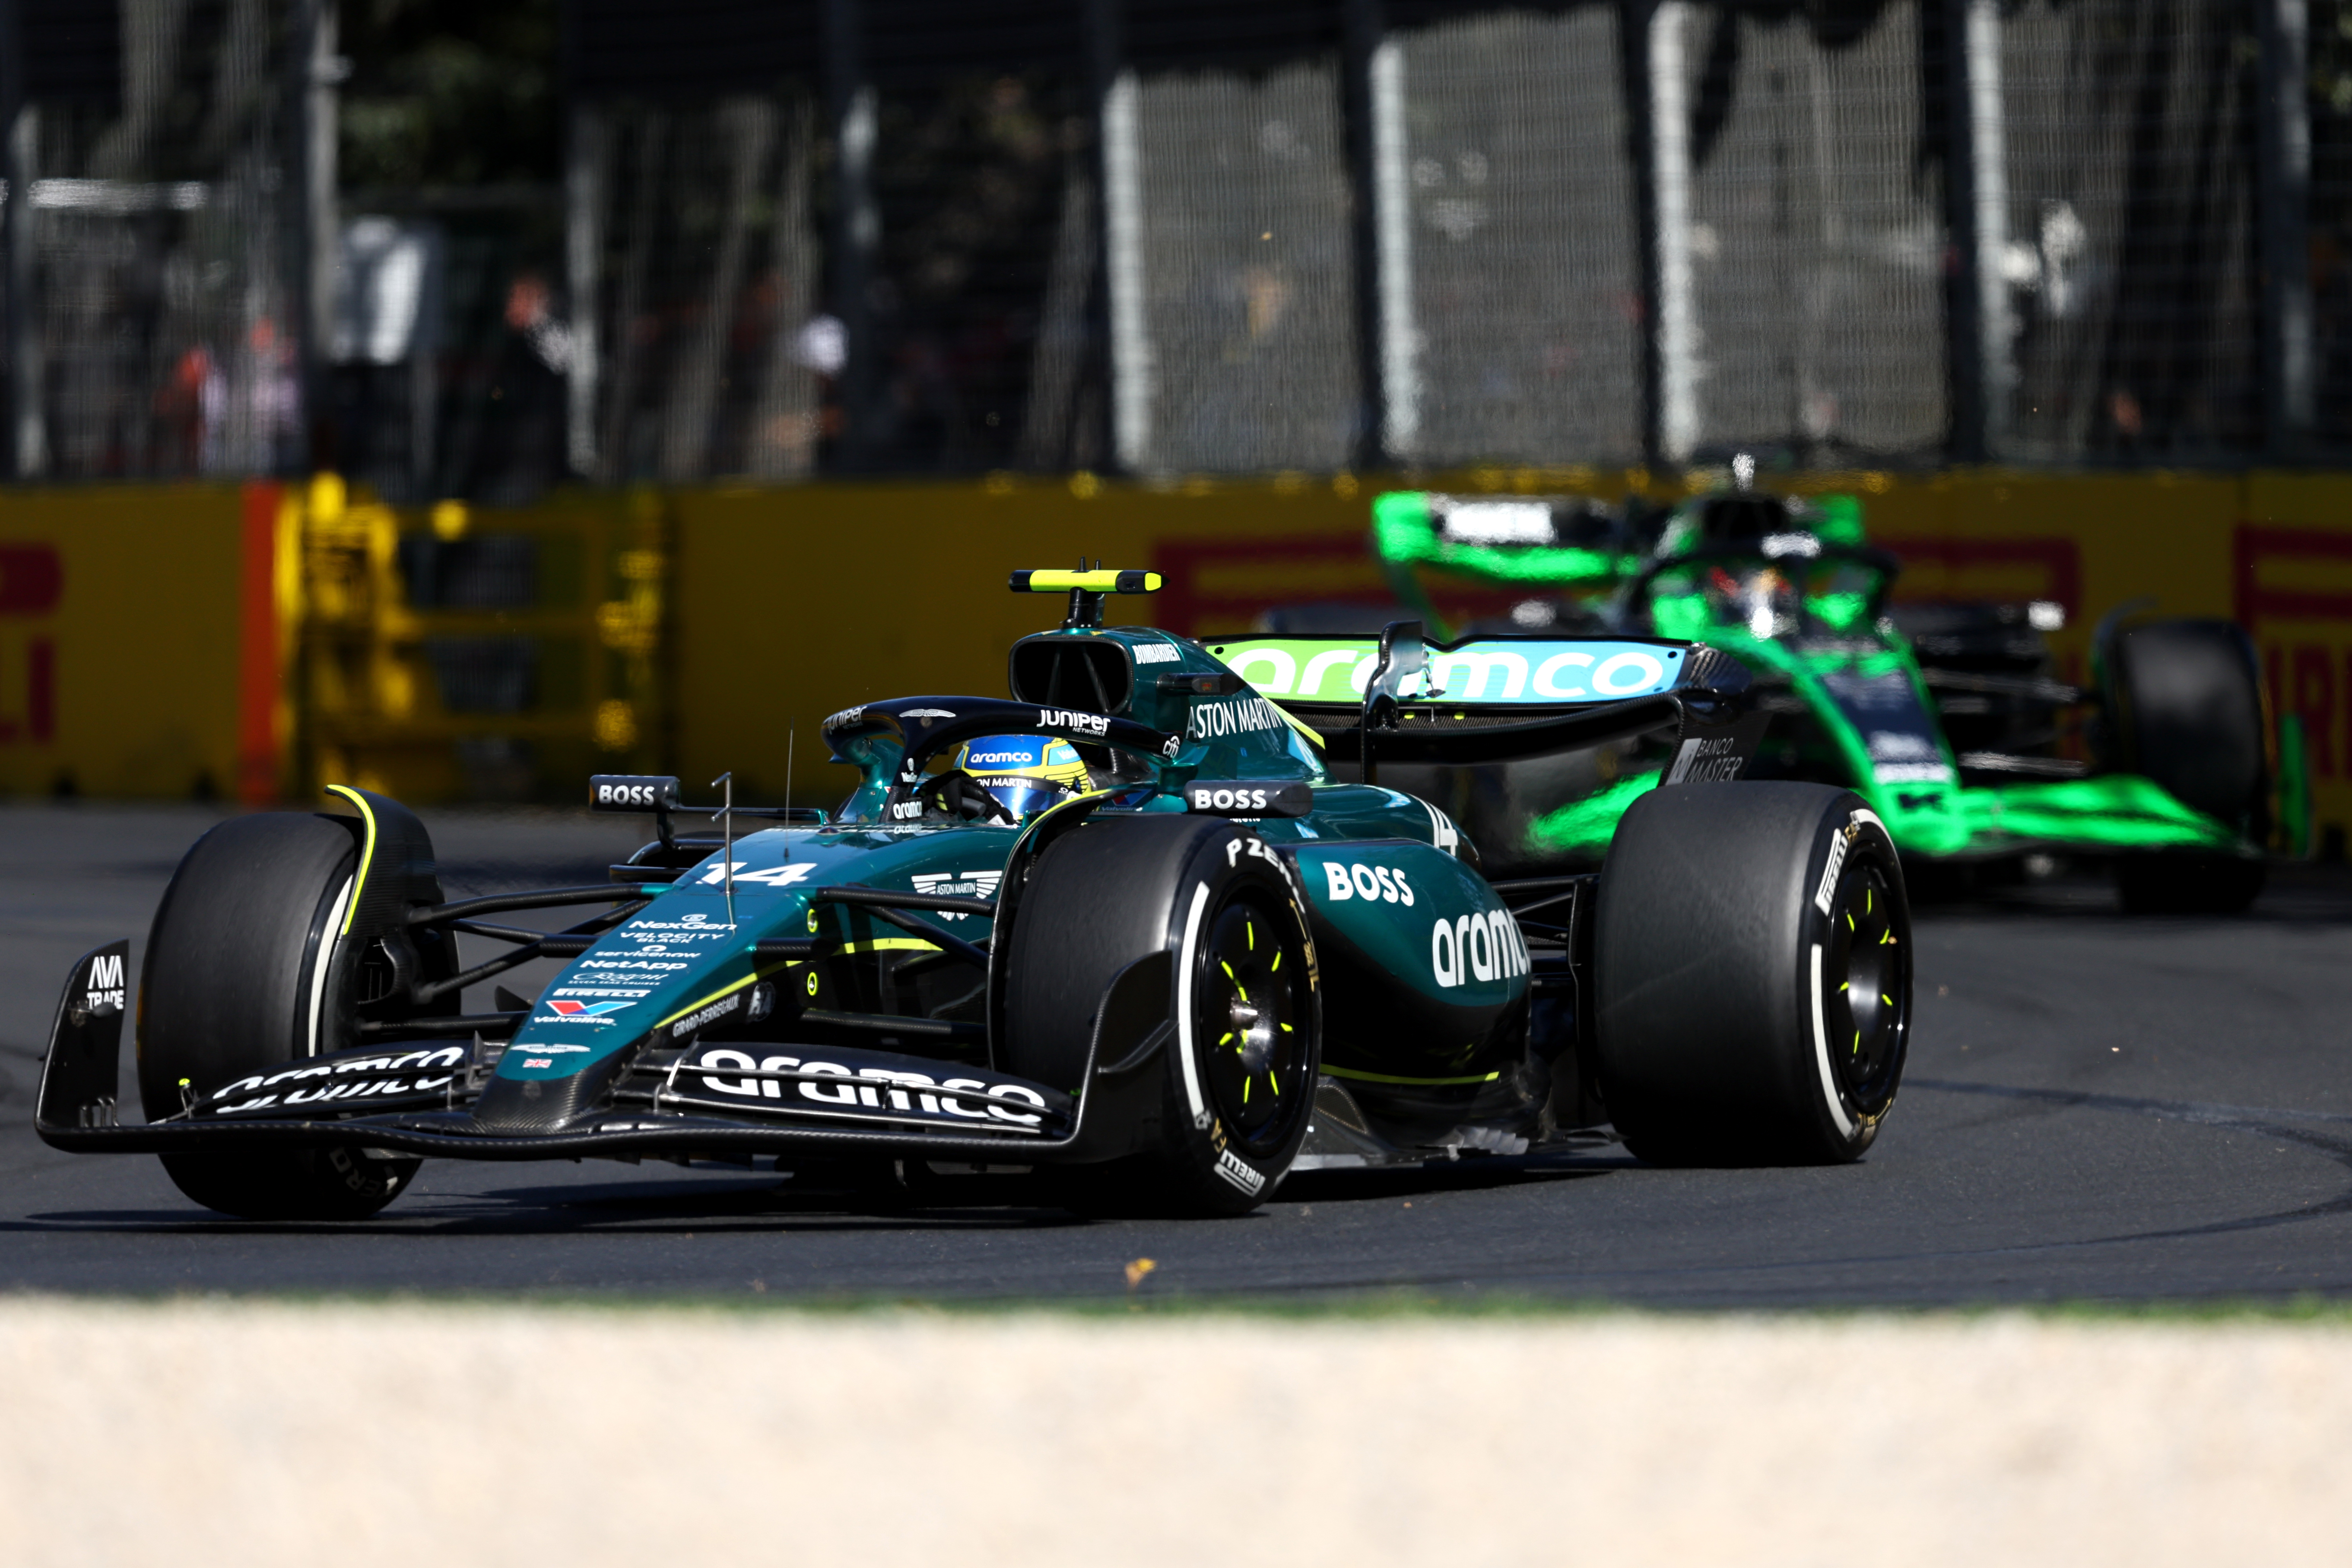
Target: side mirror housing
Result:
[[632, 791]]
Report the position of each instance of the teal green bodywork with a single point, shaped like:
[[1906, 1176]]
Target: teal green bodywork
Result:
[[688, 951]]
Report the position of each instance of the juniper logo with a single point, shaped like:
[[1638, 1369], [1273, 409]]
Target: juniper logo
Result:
[[1065, 719]]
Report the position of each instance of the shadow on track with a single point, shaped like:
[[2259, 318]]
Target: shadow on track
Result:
[[783, 1206]]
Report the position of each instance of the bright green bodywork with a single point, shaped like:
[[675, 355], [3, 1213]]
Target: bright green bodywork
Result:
[[1875, 727]]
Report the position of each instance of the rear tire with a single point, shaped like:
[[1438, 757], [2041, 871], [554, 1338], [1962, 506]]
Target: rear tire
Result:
[[2185, 706], [1752, 960], [1248, 1045], [234, 983]]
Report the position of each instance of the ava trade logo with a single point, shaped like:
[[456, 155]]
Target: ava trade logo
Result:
[[583, 1012]]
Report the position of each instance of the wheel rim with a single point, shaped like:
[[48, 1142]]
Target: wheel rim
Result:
[[1251, 1020], [1867, 977]]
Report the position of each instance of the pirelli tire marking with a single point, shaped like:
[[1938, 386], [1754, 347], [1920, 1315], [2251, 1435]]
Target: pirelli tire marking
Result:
[[1825, 900]]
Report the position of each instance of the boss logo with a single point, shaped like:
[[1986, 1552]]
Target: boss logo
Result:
[[1249, 797], [1382, 884], [1065, 719], [630, 792]]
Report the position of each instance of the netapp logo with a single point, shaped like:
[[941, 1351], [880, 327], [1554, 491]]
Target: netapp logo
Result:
[[1208, 721], [1478, 947], [1382, 883], [1063, 718]]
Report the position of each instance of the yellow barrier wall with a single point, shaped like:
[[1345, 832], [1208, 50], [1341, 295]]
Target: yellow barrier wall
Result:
[[828, 596], [120, 625], [795, 603], [126, 613]]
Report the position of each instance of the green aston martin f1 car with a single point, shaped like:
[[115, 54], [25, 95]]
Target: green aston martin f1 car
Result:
[[1944, 718], [1121, 928]]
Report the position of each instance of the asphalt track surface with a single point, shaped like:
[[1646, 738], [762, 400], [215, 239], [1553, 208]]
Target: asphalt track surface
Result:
[[2096, 1108]]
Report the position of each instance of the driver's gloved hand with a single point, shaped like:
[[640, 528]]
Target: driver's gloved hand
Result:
[[958, 793]]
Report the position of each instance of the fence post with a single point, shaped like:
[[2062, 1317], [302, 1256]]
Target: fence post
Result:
[[1673, 326], [584, 242], [1134, 370], [1361, 114], [2282, 186], [1963, 305], [857, 221], [1981, 136], [24, 451], [316, 69]]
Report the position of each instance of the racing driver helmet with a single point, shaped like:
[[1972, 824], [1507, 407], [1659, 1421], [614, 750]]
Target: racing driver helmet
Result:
[[1026, 774]]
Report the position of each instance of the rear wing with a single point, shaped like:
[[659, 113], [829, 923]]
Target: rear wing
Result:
[[1491, 699], [1537, 542], [1488, 672]]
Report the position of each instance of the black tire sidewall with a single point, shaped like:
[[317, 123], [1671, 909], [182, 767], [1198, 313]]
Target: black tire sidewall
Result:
[[242, 942], [1205, 1162], [1708, 1040], [1105, 896]]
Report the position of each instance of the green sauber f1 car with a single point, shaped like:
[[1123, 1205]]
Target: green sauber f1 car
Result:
[[1944, 718], [1122, 930]]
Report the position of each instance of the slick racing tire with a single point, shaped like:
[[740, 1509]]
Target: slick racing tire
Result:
[[1752, 961], [1236, 1077], [234, 982], [2184, 709]]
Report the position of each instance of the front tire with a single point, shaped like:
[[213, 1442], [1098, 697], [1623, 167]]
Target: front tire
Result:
[[1752, 957], [236, 982], [1237, 1080]]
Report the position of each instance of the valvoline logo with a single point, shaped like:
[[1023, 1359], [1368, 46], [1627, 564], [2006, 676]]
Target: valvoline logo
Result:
[[585, 1009]]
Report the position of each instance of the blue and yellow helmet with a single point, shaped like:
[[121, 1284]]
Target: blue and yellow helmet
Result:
[[1026, 772]]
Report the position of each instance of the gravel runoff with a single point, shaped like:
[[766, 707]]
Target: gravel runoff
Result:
[[262, 1433]]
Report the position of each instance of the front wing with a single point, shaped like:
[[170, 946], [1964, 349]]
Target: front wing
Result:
[[717, 1099]]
